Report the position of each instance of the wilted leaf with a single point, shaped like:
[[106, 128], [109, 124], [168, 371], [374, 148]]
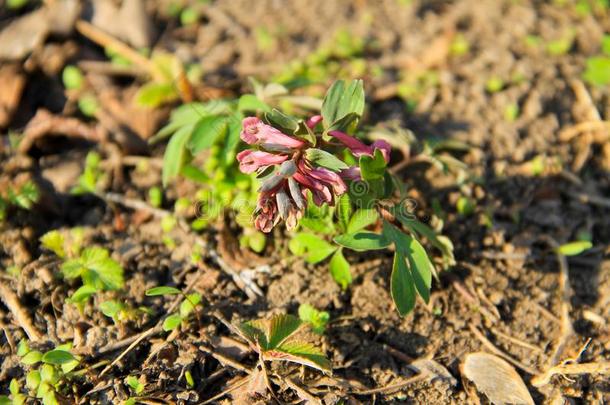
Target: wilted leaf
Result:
[[497, 379], [435, 371]]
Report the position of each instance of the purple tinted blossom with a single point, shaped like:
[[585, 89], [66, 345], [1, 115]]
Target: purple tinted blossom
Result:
[[257, 132], [313, 121], [283, 195], [358, 148], [253, 160], [352, 173]]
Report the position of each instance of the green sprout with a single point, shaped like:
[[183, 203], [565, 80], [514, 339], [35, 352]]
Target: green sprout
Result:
[[187, 306]]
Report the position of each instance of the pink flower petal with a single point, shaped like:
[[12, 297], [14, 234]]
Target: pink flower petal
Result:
[[252, 160]]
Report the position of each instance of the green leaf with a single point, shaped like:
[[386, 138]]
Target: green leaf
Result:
[[49, 398], [317, 319], [83, 293], [175, 153], [597, 71], [135, 384], [401, 285], [32, 357], [48, 375], [107, 269], [188, 305], [32, 380], [162, 290], [344, 211], [4, 400], [54, 241], [372, 167], [574, 248], [341, 101], [190, 381], [14, 387], [172, 322], [361, 219], [249, 102], [23, 348], [318, 157], [282, 121], [362, 241], [206, 132], [72, 77], [440, 242], [232, 140], [421, 267], [72, 268], [300, 353], [346, 124], [339, 269], [57, 357], [154, 94], [314, 248], [111, 308], [281, 328]]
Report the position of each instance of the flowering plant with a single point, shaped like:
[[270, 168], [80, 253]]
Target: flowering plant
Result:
[[332, 190], [312, 169]]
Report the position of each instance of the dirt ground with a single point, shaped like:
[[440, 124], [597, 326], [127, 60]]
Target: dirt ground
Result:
[[506, 290]]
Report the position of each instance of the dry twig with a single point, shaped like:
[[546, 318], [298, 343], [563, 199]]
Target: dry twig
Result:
[[21, 314]]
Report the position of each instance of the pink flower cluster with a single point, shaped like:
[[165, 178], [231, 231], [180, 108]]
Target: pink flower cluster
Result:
[[283, 195]]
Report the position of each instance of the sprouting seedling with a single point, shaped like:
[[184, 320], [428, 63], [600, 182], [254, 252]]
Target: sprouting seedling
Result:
[[93, 265], [315, 318], [136, 387], [187, 306], [92, 177], [48, 371], [76, 88], [275, 340], [16, 397], [23, 196]]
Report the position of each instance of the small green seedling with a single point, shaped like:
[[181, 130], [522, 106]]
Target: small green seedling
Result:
[[317, 319], [93, 265], [93, 176], [574, 248], [16, 397], [597, 71], [23, 196], [74, 82], [48, 371], [187, 306]]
